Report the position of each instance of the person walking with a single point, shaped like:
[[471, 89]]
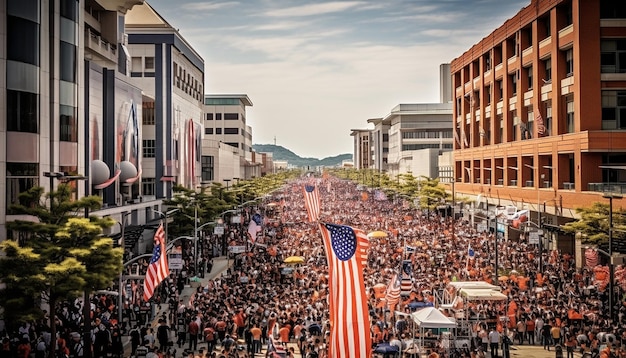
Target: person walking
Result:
[[193, 329], [494, 342]]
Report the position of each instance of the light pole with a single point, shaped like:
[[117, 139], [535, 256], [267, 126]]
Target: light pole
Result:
[[227, 181], [611, 268], [164, 215], [120, 300]]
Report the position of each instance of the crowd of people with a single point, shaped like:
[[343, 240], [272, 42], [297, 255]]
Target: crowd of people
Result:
[[261, 301]]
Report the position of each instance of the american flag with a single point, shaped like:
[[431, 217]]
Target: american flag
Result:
[[380, 195], [406, 283], [541, 128], [255, 226], [312, 202], [158, 269], [393, 292], [346, 250]]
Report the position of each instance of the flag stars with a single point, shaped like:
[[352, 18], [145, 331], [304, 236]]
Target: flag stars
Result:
[[343, 241]]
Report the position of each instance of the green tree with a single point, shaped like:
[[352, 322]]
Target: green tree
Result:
[[593, 224], [57, 255]]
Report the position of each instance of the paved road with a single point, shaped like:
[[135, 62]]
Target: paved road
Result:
[[221, 264]]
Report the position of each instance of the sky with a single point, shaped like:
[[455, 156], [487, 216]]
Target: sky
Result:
[[315, 70]]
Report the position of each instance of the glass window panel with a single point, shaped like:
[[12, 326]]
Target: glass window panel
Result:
[[68, 123], [67, 62], [68, 31], [26, 9], [22, 76], [22, 111], [69, 9], [22, 40], [67, 93]]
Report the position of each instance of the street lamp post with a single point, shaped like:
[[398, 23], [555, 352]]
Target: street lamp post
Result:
[[120, 300], [610, 253], [164, 215]]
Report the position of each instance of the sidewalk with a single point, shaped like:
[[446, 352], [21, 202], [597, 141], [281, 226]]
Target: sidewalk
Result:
[[220, 265]]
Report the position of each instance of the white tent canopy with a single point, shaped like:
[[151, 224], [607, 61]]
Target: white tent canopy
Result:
[[475, 294], [431, 317]]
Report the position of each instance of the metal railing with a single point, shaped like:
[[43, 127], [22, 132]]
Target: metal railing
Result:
[[607, 187]]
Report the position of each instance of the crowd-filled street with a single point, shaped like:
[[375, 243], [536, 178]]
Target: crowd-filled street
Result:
[[273, 299]]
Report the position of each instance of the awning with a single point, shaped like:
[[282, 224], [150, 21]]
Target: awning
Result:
[[481, 295]]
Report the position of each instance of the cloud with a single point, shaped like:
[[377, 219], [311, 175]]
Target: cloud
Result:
[[209, 6], [313, 9]]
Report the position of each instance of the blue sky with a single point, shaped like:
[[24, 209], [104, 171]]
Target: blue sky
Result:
[[314, 70]]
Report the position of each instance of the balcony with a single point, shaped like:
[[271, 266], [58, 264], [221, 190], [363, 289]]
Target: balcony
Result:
[[607, 187], [100, 47]]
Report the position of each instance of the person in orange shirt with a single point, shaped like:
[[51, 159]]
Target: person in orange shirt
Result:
[[256, 333], [283, 333]]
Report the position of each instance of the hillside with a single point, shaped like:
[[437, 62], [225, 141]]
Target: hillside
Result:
[[284, 154]]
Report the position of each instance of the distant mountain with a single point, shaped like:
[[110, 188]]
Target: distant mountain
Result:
[[284, 154]]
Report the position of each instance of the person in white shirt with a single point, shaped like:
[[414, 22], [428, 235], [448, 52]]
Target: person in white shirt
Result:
[[494, 342]]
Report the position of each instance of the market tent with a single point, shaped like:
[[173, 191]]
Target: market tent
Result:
[[476, 294], [431, 317]]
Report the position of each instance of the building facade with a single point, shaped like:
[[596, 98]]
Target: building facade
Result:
[[362, 148], [228, 138], [538, 107], [418, 134], [171, 74]]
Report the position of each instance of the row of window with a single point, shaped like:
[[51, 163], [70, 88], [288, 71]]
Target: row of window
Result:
[[211, 131], [427, 134], [406, 147], [187, 82], [218, 116]]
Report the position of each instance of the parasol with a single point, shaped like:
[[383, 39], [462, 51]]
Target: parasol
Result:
[[377, 234], [294, 260]]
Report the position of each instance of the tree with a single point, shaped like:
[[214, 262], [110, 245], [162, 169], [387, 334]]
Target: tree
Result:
[[593, 224], [57, 255]]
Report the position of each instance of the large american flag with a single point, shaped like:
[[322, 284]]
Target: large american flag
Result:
[[346, 250], [312, 202], [158, 269], [393, 292]]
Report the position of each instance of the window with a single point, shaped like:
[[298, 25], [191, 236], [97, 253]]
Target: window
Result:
[[67, 62], [136, 64], [516, 126], [209, 116], [147, 114], [207, 168], [487, 61], [613, 109], [500, 89], [613, 56], [570, 114], [69, 9], [149, 63], [148, 186], [218, 130], [529, 126], [175, 150], [513, 78], [22, 111], [208, 131], [611, 9], [529, 77], [548, 66], [218, 116], [501, 130], [69, 126], [20, 178], [569, 62], [231, 116], [548, 121], [231, 130], [232, 144], [487, 92], [149, 148], [22, 40]]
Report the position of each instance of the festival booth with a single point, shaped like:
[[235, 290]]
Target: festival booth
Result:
[[426, 320], [459, 296]]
